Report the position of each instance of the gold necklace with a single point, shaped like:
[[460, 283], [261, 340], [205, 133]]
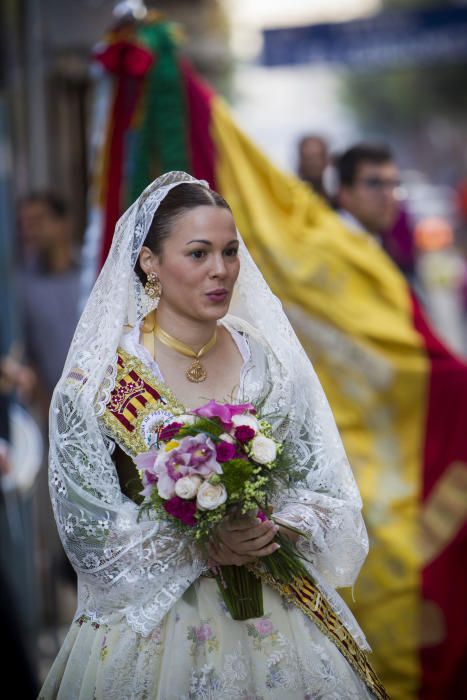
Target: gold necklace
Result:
[[196, 372]]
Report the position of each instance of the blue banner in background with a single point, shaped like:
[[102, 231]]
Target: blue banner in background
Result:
[[389, 38]]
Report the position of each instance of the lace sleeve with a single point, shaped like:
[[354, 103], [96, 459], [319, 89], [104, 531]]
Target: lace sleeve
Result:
[[325, 503], [127, 566], [334, 535]]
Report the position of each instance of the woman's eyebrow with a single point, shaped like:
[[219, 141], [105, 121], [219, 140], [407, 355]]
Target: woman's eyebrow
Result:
[[201, 240]]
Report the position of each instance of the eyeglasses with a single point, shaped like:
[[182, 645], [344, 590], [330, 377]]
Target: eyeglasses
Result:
[[377, 184]]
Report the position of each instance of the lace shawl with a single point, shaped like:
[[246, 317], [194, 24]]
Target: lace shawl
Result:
[[137, 569]]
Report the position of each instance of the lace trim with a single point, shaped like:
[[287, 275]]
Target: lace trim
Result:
[[106, 388]]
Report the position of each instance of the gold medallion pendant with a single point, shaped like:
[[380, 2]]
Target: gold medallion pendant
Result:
[[196, 372]]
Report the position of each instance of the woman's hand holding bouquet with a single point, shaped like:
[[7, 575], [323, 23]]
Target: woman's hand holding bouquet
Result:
[[242, 539], [213, 473]]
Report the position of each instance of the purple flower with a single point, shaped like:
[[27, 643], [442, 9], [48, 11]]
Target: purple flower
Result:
[[169, 467], [146, 460], [244, 433], [170, 431], [261, 516], [192, 455], [223, 411], [149, 481], [225, 451], [200, 454], [181, 509]]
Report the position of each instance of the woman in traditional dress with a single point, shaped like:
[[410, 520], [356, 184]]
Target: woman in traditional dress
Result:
[[151, 622]]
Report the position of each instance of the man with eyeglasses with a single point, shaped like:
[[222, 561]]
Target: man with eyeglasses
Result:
[[368, 186]]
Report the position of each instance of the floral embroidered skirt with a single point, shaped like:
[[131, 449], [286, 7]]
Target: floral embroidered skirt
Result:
[[200, 653]]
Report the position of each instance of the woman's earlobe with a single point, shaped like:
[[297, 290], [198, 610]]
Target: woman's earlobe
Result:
[[146, 260]]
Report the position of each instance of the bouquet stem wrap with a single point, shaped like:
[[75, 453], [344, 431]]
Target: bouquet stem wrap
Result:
[[242, 592], [242, 588]]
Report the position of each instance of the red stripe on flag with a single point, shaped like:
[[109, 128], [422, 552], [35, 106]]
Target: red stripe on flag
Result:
[[444, 580], [202, 149], [129, 62]]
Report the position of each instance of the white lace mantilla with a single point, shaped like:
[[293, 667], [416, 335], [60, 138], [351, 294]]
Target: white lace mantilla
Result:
[[136, 569]]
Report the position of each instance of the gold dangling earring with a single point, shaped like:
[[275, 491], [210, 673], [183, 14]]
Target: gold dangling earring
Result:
[[153, 287]]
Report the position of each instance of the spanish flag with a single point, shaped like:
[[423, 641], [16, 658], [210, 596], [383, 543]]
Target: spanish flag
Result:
[[398, 395]]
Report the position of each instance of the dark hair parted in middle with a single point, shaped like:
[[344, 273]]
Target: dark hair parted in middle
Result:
[[348, 162], [178, 201]]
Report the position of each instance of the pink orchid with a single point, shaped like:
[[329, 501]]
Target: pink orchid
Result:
[[169, 467], [200, 454], [193, 455], [146, 460], [149, 480], [223, 411]]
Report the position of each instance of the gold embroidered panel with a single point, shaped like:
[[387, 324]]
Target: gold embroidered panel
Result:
[[139, 406]]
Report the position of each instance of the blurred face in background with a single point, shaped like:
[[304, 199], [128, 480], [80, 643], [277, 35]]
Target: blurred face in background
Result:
[[40, 227], [371, 199], [313, 155]]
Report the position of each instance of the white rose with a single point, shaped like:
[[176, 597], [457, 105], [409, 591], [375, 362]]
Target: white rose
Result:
[[210, 496], [187, 487], [227, 438], [248, 420], [263, 449]]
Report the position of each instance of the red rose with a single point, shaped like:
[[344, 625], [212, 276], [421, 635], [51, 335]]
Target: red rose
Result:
[[244, 433], [182, 510], [225, 451]]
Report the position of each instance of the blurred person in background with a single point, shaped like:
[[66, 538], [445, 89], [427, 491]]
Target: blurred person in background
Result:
[[368, 178], [367, 200], [48, 288], [48, 285], [399, 243], [313, 159], [13, 377]]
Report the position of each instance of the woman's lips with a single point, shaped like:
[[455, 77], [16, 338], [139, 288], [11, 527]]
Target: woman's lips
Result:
[[218, 295]]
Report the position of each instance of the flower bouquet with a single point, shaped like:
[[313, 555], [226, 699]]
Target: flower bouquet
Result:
[[218, 460]]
